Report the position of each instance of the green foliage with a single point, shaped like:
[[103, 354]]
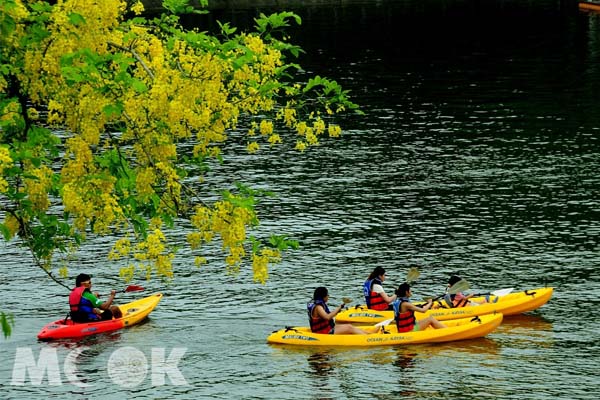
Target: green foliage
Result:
[[108, 126], [7, 321], [183, 6]]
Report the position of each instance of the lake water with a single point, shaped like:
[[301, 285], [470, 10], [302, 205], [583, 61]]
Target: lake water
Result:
[[479, 154]]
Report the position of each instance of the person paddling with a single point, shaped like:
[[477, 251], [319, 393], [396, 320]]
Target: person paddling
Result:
[[404, 312], [85, 305], [375, 295], [321, 319], [459, 299]]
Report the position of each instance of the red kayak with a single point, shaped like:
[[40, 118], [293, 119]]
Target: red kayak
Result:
[[133, 313]]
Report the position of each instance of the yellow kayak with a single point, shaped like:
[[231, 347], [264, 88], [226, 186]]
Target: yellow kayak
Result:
[[510, 304], [457, 329]]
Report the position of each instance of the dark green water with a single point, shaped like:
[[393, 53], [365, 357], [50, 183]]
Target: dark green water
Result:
[[479, 154]]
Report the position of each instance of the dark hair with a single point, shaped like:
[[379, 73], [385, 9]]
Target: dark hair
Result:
[[377, 272], [82, 278], [453, 279], [320, 293], [402, 290]]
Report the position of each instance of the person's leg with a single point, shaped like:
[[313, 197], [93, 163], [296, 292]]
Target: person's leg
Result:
[[106, 315], [348, 329], [116, 311], [430, 321]]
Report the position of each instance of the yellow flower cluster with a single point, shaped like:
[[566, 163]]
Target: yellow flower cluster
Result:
[[137, 8], [252, 147], [229, 222], [12, 224], [127, 273], [5, 162], [11, 111], [37, 186], [145, 180], [121, 248], [154, 251], [260, 263]]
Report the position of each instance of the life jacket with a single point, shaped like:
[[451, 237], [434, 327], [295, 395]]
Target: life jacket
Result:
[[81, 308], [318, 324], [461, 301], [374, 300], [405, 321]]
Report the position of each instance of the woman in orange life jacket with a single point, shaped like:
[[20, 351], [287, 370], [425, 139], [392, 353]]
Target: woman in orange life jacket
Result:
[[84, 304], [375, 296], [404, 312], [322, 320]]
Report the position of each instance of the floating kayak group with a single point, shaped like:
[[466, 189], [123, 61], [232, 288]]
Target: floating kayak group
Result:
[[467, 322]]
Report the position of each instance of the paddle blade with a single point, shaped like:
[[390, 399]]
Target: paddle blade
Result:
[[133, 288], [412, 275], [346, 300], [502, 292], [384, 323], [459, 286]]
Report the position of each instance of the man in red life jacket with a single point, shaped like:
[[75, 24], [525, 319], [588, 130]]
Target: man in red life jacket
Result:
[[85, 305]]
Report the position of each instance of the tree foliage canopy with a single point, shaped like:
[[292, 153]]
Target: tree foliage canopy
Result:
[[109, 118]]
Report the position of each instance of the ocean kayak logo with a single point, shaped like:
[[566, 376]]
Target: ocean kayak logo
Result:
[[127, 367]]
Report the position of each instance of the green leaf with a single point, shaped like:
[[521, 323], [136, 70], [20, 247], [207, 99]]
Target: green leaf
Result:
[[283, 243], [139, 86], [76, 19], [5, 232], [7, 321], [113, 110]]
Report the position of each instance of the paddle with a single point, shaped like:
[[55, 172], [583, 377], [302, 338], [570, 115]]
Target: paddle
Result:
[[459, 286], [412, 275], [383, 323], [345, 300], [497, 293], [132, 288]]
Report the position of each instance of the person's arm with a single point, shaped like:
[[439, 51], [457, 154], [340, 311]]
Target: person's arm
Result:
[[406, 306], [97, 302], [383, 294], [321, 311]]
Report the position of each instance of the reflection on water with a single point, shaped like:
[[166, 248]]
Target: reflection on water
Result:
[[405, 361], [320, 364], [517, 323]]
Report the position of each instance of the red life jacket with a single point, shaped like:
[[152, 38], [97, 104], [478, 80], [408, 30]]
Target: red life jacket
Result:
[[318, 324], [81, 308], [373, 299], [405, 322]]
